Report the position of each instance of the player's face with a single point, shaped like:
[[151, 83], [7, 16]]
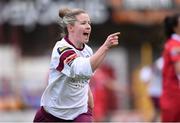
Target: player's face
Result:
[[82, 28]]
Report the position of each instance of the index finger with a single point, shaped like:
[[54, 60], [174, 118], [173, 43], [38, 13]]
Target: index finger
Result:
[[115, 34]]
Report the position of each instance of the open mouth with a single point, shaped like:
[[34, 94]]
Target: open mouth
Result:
[[86, 34]]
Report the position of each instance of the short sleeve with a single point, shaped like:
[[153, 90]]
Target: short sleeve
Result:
[[64, 52], [78, 67]]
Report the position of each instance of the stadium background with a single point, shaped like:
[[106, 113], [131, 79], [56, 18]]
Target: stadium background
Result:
[[29, 30]]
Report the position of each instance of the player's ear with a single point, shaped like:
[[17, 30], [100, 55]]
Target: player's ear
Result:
[[70, 28]]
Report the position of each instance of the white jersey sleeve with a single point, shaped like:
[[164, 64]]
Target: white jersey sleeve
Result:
[[78, 67]]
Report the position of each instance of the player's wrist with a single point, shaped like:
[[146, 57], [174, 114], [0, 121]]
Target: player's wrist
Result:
[[105, 47]]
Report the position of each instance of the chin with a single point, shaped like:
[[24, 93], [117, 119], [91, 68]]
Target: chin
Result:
[[86, 41]]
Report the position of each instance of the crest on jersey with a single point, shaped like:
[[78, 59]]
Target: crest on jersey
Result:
[[63, 49]]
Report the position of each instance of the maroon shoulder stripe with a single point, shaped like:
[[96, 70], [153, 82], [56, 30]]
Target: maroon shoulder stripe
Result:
[[62, 58]]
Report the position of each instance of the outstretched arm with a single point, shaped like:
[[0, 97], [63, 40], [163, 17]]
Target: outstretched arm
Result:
[[98, 57]]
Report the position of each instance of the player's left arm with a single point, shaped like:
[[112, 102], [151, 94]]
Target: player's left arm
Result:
[[90, 99], [99, 55]]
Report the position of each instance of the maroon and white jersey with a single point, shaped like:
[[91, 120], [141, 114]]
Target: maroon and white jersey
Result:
[[66, 95]]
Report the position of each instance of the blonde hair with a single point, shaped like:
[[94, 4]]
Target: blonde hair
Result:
[[67, 16]]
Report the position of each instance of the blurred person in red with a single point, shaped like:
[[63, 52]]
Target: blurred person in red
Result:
[[104, 88], [170, 98]]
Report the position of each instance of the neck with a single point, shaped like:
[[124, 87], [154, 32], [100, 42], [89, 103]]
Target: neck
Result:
[[75, 42]]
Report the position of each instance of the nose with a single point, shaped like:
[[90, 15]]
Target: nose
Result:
[[88, 26]]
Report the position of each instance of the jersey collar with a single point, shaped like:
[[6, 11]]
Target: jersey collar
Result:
[[67, 39]]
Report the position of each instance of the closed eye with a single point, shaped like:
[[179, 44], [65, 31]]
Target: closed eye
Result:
[[85, 22]]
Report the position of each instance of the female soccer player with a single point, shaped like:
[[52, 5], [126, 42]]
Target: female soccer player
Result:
[[68, 96], [170, 99]]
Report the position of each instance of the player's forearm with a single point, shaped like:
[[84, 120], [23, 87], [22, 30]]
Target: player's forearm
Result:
[[90, 99], [98, 57]]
